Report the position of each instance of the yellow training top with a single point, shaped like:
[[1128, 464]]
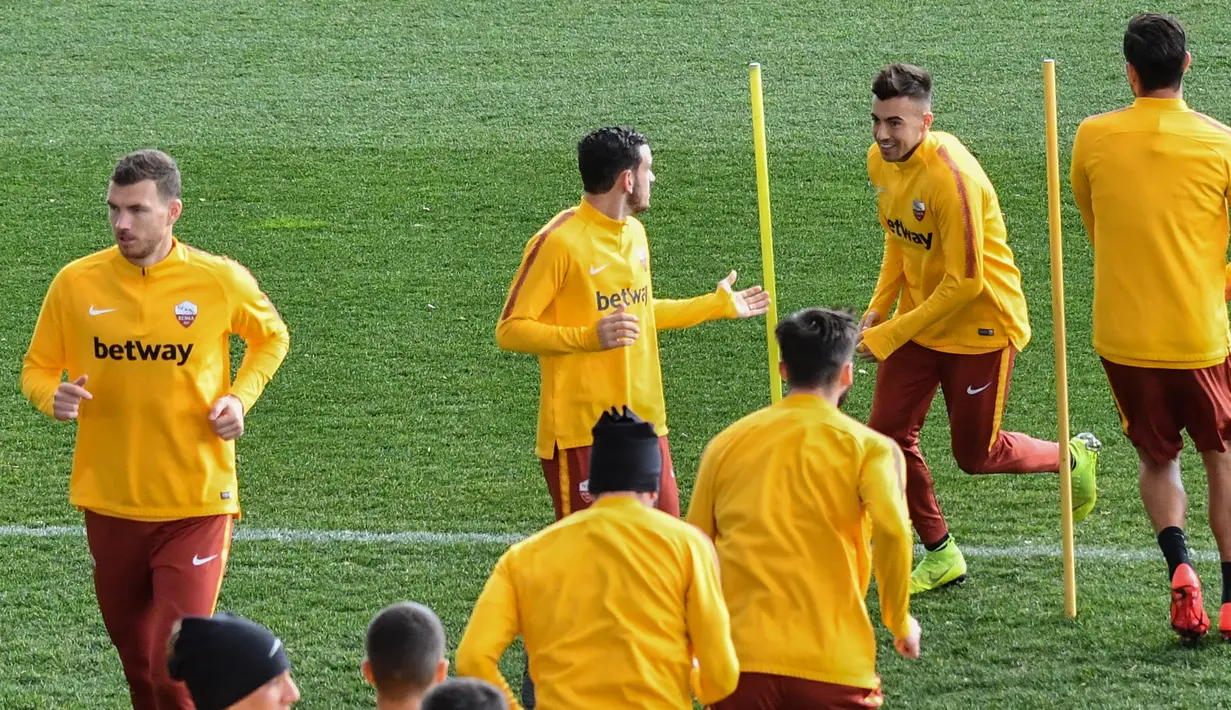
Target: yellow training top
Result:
[[1152, 181], [579, 268], [947, 260], [788, 494], [613, 602], [154, 343]]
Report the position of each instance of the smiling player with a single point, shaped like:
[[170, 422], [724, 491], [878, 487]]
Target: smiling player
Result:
[[142, 328], [961, 316]]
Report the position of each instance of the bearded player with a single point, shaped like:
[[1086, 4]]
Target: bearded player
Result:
[[961, 316], [584, 302], [143, 330]]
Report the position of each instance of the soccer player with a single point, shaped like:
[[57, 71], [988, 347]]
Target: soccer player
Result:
[[465, 694], [1152, 182], [583, 301], [142, 328], [405, 648], [961, 316], [227, 661], [784, 493], [615, 602]]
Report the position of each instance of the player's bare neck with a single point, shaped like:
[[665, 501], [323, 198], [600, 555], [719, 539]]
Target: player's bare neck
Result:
[[1168, 93], [906, 156], [409, 703], [613, 204]]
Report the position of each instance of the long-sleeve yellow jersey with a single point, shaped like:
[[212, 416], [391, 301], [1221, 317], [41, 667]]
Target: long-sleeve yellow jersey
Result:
[[579, 268], [613, 603], [1152, 182], [789, 495], [947, 261], [154, 344]]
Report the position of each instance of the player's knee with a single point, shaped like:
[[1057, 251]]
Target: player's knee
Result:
[[973, 462]]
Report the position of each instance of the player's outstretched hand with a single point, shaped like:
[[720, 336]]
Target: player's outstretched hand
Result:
[[226, 417], [909, 646], [617, 329], [750, 302], [68, 398]]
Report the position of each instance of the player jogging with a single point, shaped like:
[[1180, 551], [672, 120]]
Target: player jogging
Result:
[[961, 316], [619, 605], [142, 328], [583, 301], [784, 493], [1152, 182]]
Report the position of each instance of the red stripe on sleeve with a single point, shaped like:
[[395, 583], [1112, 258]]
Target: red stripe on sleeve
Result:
[[966, 218], [534, 253], [1212, 122]]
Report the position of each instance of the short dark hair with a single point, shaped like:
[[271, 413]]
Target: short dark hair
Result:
[[464, 694], [404, 645], [149, 165], [604, 154], [1156, 46], [815, 343], [902, 80]]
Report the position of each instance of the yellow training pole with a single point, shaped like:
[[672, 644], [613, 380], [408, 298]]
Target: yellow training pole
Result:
[[1057, 307], [767, 229]]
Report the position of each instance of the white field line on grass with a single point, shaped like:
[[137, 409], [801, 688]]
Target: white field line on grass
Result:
[[420, 537]]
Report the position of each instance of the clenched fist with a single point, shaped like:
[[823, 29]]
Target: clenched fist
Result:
[[226, 417]]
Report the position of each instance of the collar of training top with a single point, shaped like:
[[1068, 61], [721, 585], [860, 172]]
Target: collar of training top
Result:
[[176, 256], [1160, 104], [590, 213]]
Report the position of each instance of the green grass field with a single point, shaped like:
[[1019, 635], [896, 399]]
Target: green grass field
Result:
[[380, 165]]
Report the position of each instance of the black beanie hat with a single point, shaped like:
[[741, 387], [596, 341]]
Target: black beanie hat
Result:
[[625, 455], [223, 659]]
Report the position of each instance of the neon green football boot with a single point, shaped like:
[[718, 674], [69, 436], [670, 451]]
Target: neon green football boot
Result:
[[1084, 449], [937, 569]]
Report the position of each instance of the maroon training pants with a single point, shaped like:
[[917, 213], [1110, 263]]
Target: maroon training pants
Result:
[[147, 576], [975, 388]]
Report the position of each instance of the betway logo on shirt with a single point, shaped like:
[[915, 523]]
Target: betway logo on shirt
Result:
[[137, 350], [624, 297], [897, 227]]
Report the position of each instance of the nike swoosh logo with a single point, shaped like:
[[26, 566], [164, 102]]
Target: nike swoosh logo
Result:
[[594, 271], [972, 390], [98, 312], [197, 561], [277, 645]]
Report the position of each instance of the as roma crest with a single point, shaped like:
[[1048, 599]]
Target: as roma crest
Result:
[[186, 313], [919, 209]]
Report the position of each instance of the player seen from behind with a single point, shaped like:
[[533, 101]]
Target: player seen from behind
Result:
[[1152, 181], [785, 494]]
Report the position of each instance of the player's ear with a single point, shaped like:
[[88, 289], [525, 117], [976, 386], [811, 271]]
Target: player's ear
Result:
[[846, 377], [928, 117], [1188, 61], [366, 669], [628, 181], [174, 210], [442, 670], [782, 371]]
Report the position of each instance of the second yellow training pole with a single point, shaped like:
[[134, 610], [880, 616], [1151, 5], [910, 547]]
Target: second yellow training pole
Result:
[[767, 229], [1057, 307]]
